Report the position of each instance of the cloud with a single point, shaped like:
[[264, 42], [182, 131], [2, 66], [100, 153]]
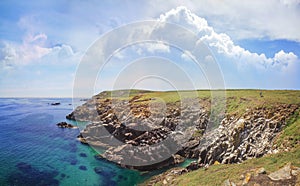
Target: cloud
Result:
[[282, 58], [141, 49], [157, 47], [20, 54], [222, 44], [153, 47], [33, 49], [242, 20], [7, 56]]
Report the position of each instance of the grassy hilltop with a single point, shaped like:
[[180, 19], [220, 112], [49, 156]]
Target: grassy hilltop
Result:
[[281, 106], [237, 102]]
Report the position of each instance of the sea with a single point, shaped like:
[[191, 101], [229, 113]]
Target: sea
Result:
[[34, 151]]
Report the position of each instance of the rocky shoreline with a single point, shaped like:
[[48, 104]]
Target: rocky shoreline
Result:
[[237, 138]]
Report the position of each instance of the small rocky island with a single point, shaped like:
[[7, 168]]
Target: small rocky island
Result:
[[66, 125], [141, 125]]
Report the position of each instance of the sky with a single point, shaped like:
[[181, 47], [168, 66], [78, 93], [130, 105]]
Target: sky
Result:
[[248, 44]]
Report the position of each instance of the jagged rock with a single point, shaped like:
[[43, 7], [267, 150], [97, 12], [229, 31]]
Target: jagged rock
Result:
[[165, 182], [283, 173], [179, 171], [193, 166], [247, 178], [237, 138], [178, 159], [260, 171], [55, 104], [228, 183], [66, 125]]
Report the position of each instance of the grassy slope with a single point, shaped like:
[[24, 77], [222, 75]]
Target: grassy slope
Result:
[[216, 174], [237, 101]]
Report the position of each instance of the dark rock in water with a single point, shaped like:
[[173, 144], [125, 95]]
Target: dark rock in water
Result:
[[73, 162], [82, 167], [62, 175], [97, 157], [54, 104], [109, 182], [66, 125], [70, 116], [98, 170], [105, 173], [32, 176], [82, 155]]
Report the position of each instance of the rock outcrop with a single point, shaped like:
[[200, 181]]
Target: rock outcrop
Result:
[[134, 128], [287, 175], [240, 138], [66, 125], [55, 104]]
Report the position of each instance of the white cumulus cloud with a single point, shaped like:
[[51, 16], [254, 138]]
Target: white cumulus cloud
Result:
[[32, 49], [151, 47], [242, 19], [222, 44]]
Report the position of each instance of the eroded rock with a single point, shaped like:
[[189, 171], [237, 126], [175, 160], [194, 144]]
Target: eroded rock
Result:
[[116, 126], [66, 125]]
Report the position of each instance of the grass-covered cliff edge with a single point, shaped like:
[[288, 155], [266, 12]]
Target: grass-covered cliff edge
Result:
[[260, 128]]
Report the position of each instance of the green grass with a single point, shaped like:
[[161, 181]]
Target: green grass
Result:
[[240, 100], [236, 101], [216, 174], [290, 136]]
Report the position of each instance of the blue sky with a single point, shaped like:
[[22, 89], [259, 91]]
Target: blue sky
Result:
[[255, 44]]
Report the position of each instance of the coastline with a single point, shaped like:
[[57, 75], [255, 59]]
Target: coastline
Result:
[[275, 119]]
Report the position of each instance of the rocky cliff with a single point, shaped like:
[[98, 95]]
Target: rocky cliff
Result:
[[134, 131]]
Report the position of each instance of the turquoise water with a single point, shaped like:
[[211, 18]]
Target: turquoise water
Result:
[[34, 151]]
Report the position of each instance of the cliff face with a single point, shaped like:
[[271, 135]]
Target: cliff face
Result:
[[143, 133], [241, 138]]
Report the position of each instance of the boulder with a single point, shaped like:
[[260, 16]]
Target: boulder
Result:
[[193, 166], [66, 125], [228, 183], [55, 104], [282, 174], [260, 171]]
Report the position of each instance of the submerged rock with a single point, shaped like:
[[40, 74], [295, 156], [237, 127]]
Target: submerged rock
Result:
[[30, 175], [82, 167]]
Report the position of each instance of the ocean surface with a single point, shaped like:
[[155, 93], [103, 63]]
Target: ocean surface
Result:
[[34, 151]]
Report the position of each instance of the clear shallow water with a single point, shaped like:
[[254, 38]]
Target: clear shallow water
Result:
[[34, 151]]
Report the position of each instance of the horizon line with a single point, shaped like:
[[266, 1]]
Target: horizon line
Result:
[[84, 97]]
